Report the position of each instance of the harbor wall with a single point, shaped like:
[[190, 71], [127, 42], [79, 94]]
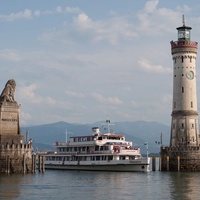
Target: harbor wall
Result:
[[16, 158], [180, 158]]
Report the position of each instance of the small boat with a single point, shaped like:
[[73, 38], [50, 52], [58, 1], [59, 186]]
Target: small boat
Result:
[[97, 152]]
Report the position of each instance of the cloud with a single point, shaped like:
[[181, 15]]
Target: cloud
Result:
[[74, 94], [107, 100], [72, 10], [148, 67], [28, 93], [150, 6], [154, 21], [111, 30], [26, 14], [10, 55]]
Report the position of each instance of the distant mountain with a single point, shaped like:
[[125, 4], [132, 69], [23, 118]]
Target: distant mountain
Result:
[[138, 132]]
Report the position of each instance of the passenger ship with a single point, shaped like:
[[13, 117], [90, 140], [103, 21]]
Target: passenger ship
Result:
[[97, 152]]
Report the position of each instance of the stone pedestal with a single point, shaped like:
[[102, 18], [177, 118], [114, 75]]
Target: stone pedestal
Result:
[[10, 132], [15, 155]]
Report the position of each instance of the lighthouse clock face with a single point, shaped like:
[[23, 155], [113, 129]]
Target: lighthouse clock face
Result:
[[190, 75]]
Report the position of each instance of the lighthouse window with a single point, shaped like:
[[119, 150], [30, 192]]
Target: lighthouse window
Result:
[[190, 59], [192, 126], [191, 104], [182, 125], [182, 58], [174, 104], [182, 89]]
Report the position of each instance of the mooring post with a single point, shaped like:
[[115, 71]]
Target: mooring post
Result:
[[33, 163], [24, 163], [8, 164], [160, 163], [39, 163], [43, 165], [167, 163], [153, 163], [178, 163]]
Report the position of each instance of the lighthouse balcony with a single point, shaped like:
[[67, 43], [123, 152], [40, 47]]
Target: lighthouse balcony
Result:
[[182, 44]]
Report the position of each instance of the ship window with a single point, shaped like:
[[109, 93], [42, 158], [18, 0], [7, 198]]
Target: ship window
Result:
[[122, 157], [97, 157], [96, 148], [131, 157], [92, 157], [110, 158]]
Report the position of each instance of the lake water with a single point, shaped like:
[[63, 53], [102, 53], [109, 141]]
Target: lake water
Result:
[[85, 185]]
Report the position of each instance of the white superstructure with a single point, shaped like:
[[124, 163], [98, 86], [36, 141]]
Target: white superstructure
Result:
[[103, 152]]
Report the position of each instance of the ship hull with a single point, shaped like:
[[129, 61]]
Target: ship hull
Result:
[[137, 166]]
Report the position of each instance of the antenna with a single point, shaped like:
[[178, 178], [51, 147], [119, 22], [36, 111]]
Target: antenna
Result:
[[108, 123], [66, 135], [183, 19]]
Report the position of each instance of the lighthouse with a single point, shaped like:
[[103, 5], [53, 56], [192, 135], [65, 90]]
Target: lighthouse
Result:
[[184, 124], [183, 152]]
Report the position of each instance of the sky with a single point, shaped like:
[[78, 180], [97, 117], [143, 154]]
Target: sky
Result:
[[80, 61]]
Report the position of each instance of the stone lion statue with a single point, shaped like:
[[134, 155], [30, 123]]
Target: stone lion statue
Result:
[[7, 94]]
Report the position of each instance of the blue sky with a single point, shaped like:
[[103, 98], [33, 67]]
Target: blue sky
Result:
[[80, 61]]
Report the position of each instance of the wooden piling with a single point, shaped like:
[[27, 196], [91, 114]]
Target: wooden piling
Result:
[[7, 164], [167, 163], [178, 158], [39, 163], [24, 163], [33, 163], [153, 163], [160, 163], [43, 165]]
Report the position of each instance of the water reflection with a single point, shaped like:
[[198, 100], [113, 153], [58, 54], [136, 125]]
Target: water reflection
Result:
[[184, 185], [9, 186], [101, 185]]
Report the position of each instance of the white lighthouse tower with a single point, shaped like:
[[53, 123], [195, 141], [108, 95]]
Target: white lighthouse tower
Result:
[[184, 124]]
